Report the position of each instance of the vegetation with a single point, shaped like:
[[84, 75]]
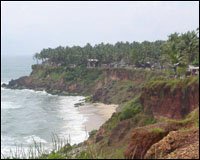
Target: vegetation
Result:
[[105, 53], [181, 50], [92, 133], [130, 109], [172, 83], [38, 151], [177, 52], [157, 130], [191, 119]]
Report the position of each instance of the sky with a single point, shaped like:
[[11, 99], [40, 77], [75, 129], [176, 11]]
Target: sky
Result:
[[29, 26]]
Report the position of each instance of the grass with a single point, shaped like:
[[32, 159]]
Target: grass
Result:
[[55, 76], [172, 83], [157, 130], [191, 119], [37, 150], [91, 153], [88, 99], [112, 122], [92, 133], [94, 152], [130, 109], [146, 119]]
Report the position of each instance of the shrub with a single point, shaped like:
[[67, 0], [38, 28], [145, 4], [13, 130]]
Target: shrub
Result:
[[149, 120], [130, 109], [92, 133], [157, 130], [56, 155], [112, 122], [83, 155]]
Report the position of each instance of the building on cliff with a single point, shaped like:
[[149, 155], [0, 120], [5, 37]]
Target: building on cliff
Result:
[[193, 70], [92, 63]]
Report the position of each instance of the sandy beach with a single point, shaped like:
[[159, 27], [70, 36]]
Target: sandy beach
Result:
[[97, 114]]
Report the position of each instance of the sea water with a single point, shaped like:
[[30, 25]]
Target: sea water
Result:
[[28, 115]]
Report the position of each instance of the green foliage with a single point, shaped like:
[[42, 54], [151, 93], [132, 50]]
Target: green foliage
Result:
[[149, 120], [105, 53], [92, 133], [172, 83], [112, 122], [83, 155], [88, 99], [54, 155], [130, 109], [91, 152], [55, 76], [157, 130], [40, 73], [114, 152], [181, 50], [192, 119], [36, 150], [142, 119], [193, 80], [181, 70]]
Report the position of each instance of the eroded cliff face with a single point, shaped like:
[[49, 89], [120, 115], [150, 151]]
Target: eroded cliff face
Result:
[[120, 85], [172, 101], [172, 139]]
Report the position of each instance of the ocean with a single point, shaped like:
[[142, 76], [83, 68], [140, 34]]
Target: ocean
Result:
[[28, 114]]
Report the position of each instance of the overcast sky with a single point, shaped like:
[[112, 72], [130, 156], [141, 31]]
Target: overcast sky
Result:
[[28, 27]]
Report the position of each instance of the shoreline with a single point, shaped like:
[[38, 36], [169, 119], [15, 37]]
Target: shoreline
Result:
[[97, 114]]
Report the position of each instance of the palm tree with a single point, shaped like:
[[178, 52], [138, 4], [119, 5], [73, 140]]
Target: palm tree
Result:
[[36, 57]]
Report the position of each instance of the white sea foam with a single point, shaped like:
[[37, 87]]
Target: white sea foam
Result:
[[36, 92], [33, 138], [10, 105], [5, 82], [45, 104], [74, 119], [3, 88]]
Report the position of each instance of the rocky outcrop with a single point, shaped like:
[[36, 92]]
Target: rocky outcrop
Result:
[[177, 144], [144, 137], [170, 101], [29, 82]]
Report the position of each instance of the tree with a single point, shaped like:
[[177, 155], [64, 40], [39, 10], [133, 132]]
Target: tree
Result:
[[182, 50], [36, 57]]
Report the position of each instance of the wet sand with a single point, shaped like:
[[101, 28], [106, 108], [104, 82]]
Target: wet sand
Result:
[[97, 114]]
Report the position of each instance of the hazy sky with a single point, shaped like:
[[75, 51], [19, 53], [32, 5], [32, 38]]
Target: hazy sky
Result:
[[28, 27]]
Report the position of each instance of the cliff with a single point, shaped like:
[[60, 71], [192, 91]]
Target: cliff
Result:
[[173, 98], [145, 128]]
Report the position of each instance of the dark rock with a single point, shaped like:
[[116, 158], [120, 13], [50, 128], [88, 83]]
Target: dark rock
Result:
[[4, 85]]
